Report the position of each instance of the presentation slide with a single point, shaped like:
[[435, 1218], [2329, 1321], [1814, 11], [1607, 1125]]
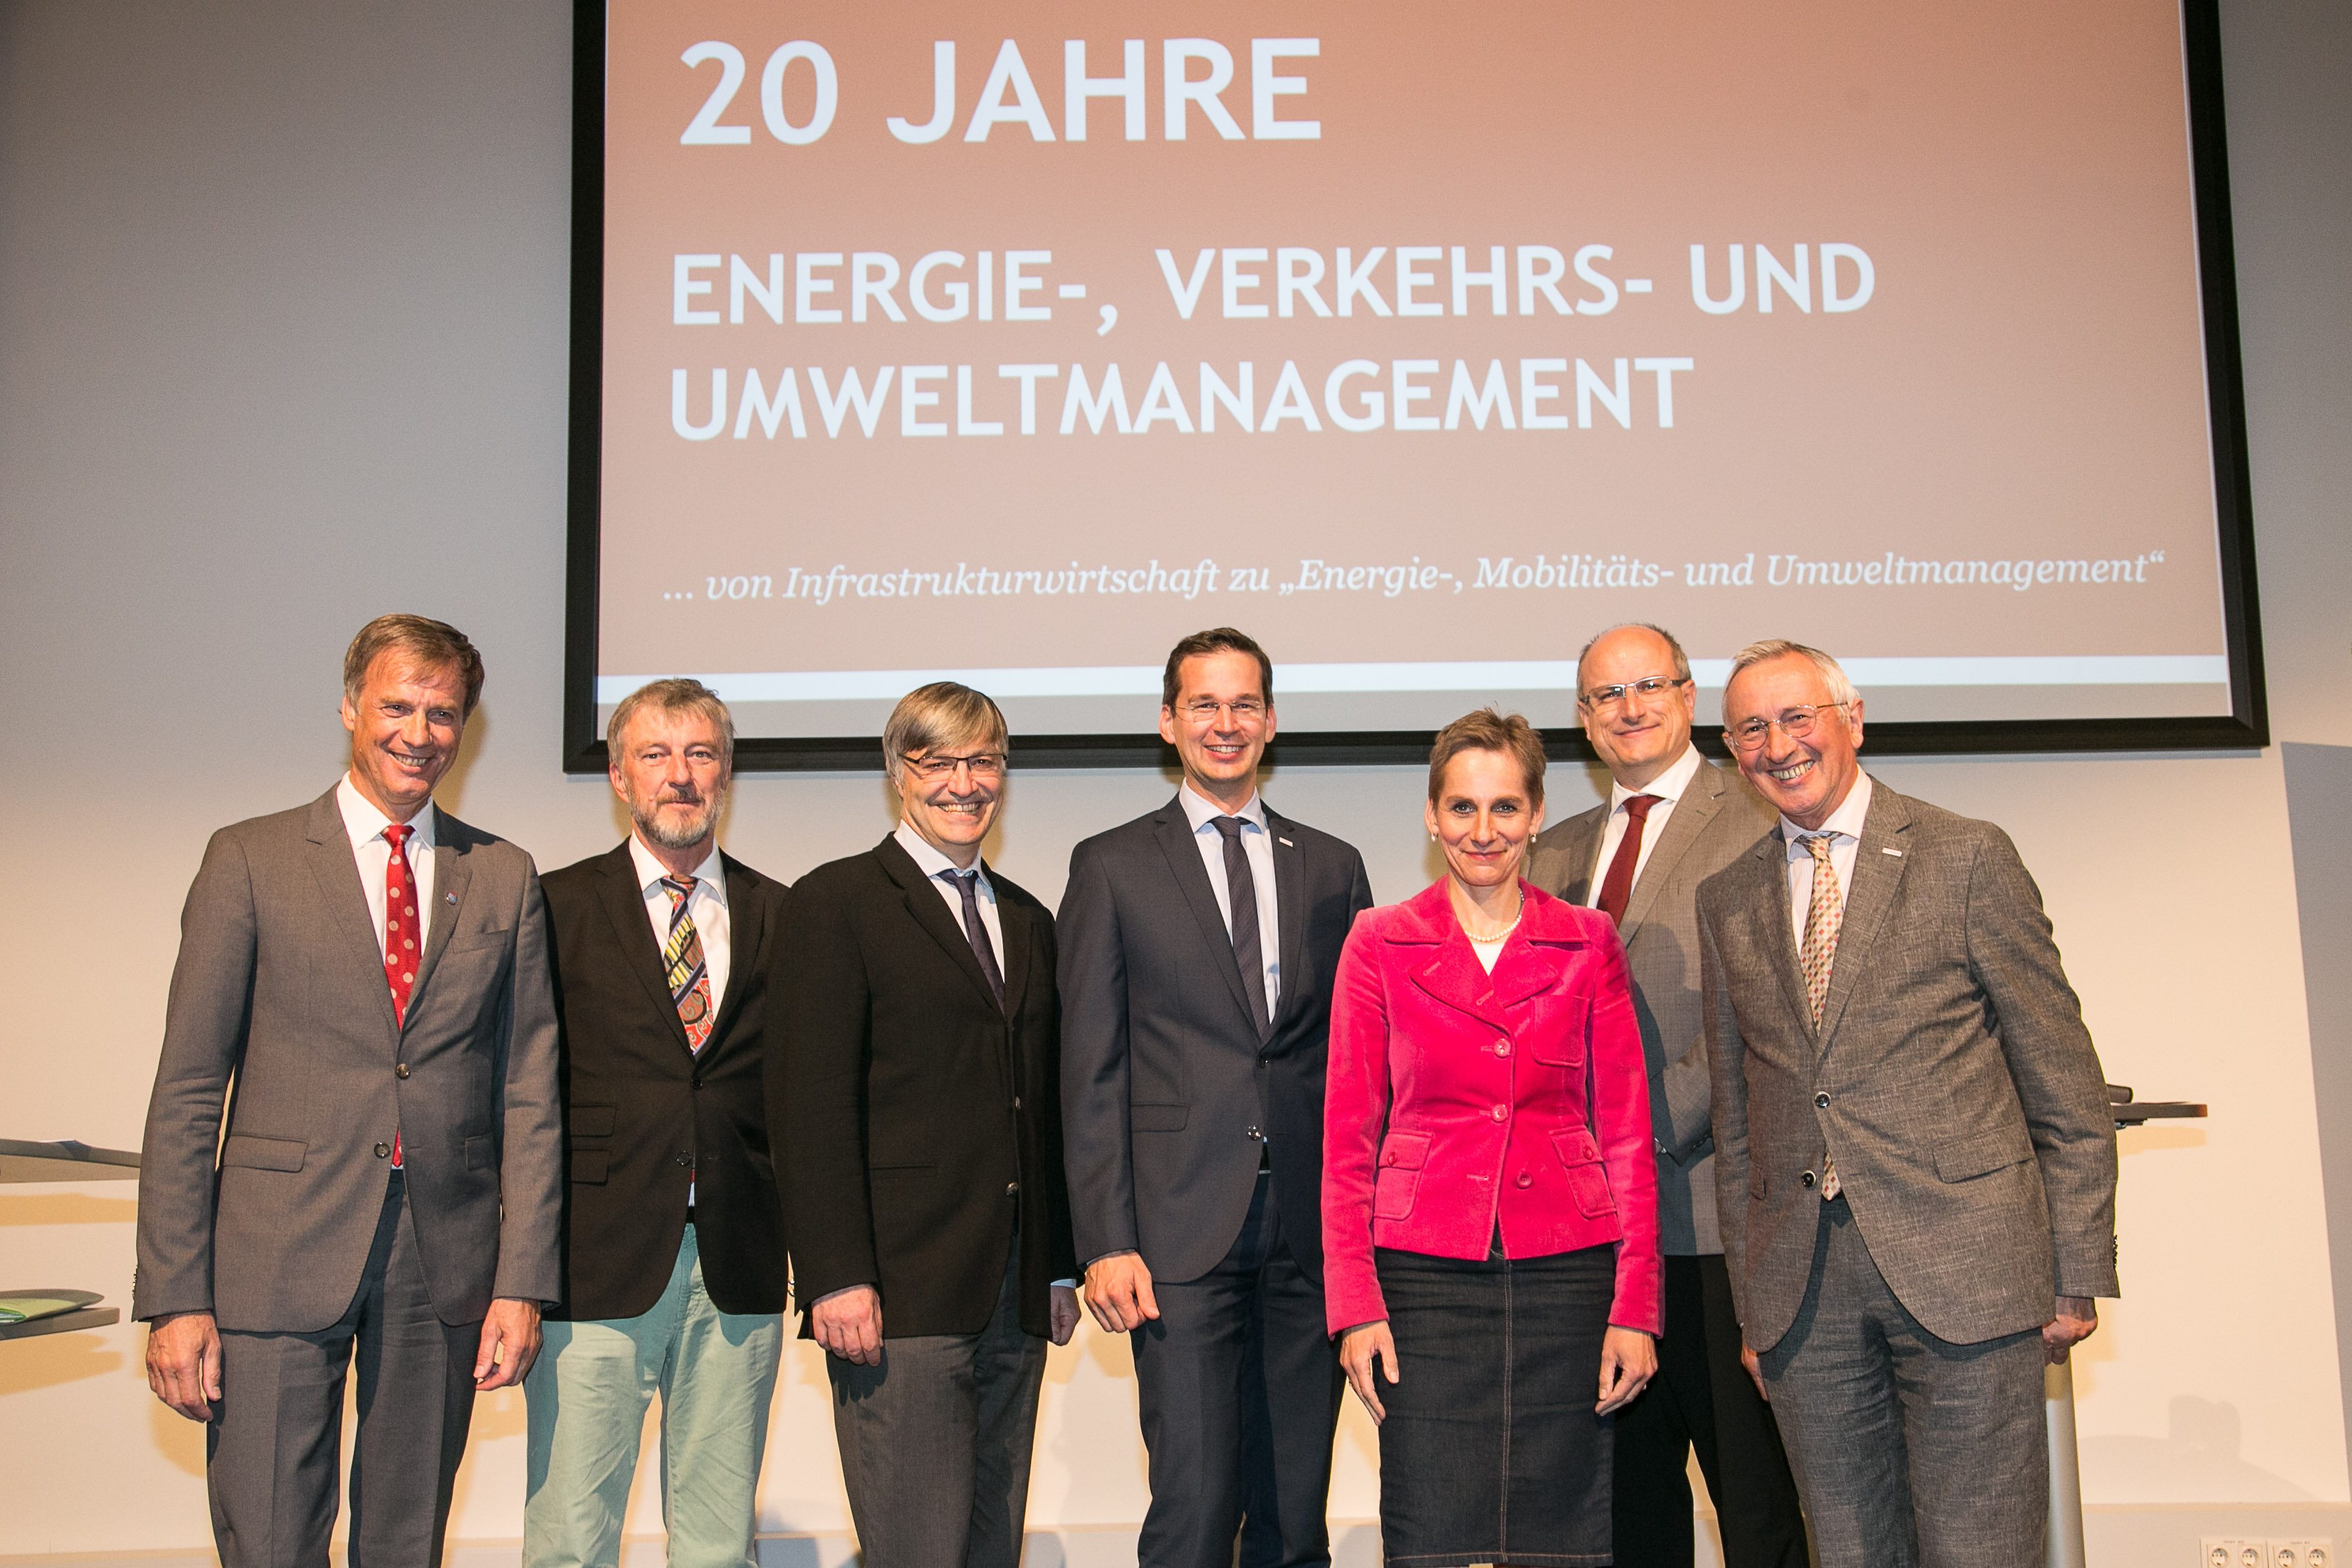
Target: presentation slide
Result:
[[1419, 341]]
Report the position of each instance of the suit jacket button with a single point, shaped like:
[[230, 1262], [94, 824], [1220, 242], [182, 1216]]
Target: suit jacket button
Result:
[[1016, 1103], [1822, 1101], [687, 1159], [1525, 1180], [384, 1151], [1253, 1133], [1012, 1189], [1806, 1180], [1502, 1047], [400, 1071], [1501, 1113]]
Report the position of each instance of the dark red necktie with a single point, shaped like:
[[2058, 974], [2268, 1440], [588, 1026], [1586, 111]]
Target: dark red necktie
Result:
[[1618, 886], [401, 931]]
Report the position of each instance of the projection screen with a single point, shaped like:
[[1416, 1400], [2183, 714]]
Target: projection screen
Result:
[[1008, 345]]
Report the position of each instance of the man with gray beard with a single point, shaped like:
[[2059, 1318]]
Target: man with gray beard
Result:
[[673, 1266]]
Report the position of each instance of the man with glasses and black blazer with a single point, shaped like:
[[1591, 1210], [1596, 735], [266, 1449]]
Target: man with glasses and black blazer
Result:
[[917, 1131], [1199, 944]]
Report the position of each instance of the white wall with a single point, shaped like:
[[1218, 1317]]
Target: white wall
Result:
[[282, 345]]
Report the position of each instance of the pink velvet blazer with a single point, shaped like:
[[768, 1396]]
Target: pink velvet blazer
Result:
[[1459, 1100]]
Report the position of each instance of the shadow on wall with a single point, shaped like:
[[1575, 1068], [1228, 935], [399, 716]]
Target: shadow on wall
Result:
[[2197, 1458], [46, 1362]]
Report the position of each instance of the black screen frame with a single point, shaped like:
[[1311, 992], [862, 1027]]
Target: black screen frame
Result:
[[2245, 728]]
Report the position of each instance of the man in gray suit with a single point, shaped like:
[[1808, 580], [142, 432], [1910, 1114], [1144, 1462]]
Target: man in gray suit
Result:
[[1915, 1161], [373, 975], [1672, 820]]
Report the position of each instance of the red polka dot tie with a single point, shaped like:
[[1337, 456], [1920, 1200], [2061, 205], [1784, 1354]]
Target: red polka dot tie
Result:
[[403, 933]]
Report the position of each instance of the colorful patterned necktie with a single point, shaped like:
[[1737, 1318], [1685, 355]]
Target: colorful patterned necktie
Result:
[[1822, 918], [690, 980], [401, 933], [1617, 887]]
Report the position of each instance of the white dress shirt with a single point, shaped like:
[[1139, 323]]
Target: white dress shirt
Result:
[[942, 873], [372, 852], [705, 907], [1668, 787], [1844, 826], [1258, 845]]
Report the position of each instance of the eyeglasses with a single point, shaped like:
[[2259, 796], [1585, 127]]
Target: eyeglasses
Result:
[[1656, 687], [981, 765], [1248, 710], [1750, 734]]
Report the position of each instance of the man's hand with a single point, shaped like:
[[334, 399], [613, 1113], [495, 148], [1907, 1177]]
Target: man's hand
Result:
[[1755, 1371], [1629, 1359], [848, 1323], [184, 1362], [1358, 1348], [1062, 1313], [1119, 1293], [2076, 1319], [509, 1344]]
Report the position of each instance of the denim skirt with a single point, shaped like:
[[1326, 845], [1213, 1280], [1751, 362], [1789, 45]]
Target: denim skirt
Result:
[[1491, 1452]]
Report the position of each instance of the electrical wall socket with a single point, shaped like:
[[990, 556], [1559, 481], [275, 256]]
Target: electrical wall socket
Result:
[[2235, 1551]]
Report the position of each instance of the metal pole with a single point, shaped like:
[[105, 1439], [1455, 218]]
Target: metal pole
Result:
[[2066, 1534]]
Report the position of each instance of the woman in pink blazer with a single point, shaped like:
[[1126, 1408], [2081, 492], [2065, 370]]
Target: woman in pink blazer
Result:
[[1490, 1237]]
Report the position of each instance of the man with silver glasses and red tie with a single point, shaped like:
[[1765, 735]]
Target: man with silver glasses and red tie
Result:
[[1672, 820]]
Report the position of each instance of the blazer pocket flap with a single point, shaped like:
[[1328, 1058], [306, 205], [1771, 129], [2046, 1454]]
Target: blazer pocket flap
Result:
[[1963, 1158], [497, 936], [1404, 1151], [591, 1165], [1157, 1118], [1575, 1146], [481, 1154], [263, 1153], [591, 1120]]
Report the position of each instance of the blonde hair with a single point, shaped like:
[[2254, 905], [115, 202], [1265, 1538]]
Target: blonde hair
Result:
[[943, 713]]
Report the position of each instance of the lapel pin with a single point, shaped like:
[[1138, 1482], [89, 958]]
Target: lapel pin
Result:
[[1896, 852], [1285, 843], [452, 898]]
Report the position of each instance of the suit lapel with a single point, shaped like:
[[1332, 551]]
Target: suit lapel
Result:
[[452, 873], [1692, 813], [1580, 850], [1877, 877], [1289, 909], [1769, 863], [1184, 855], [1013, 919], [746, 914], [633, 931], [930, 913], [346, 901]]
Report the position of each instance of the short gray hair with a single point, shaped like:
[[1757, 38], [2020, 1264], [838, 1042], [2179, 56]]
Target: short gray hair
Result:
[[429, 642], [943, 713], [676, 695], [1832, 673], [1681, 660]]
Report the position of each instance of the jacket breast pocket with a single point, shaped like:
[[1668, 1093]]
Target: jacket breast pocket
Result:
[[479, 940], [1554, 1031], [1587, 1181], [248, 1152], [1148, 1117], [591, 1167], [481, 1154], [1401, 1157], [591, 1120]]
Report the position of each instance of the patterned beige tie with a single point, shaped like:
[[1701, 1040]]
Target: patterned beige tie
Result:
[[1822, 918]]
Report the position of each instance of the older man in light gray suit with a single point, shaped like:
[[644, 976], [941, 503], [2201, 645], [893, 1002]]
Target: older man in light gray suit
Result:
[[373, 976], [1915, 1161], [1671, 819]]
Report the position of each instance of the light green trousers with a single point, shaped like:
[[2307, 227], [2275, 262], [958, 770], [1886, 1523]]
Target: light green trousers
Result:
[[587, 1394]]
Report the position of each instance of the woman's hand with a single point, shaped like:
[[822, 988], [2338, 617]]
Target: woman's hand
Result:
[[1358, 1348], [1629, 1359]]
